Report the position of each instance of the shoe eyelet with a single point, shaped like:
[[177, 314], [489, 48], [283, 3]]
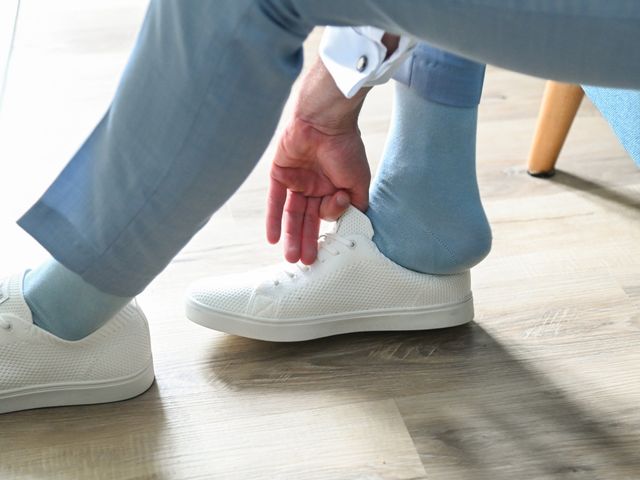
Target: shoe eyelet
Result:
[[353, 244], [8, 326]]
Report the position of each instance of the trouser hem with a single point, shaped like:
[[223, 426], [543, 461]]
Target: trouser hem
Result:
[[66, 245], [442, 77]]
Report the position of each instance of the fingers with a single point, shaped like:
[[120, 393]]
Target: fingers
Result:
[[302, 216], [301, 228], [310, 231], [275, 203], [295, 209], [334, 206]]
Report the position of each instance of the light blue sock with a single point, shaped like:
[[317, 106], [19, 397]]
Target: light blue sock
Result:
[[424, 204], [64, 304]]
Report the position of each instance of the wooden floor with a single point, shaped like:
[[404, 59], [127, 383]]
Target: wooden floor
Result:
[[545, 384]]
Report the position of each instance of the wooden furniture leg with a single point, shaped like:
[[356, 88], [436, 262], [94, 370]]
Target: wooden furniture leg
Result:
[[560, 104]]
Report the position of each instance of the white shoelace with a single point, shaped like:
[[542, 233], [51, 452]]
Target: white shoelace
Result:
[[325, 245]]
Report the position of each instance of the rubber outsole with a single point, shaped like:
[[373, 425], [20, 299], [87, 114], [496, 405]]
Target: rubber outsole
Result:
[[81, 393], [440, 316]]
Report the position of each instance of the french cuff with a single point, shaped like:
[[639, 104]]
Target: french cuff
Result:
[[355, 57]]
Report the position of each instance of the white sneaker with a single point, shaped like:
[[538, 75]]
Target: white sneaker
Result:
[[351, 287], [38, 369]]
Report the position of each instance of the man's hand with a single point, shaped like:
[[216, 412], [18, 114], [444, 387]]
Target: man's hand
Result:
[[320, 166]]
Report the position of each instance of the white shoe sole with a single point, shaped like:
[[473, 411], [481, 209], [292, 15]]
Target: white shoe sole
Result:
[[77, 393], [299, 329]]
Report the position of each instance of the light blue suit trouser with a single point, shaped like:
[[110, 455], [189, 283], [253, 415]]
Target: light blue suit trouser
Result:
[[205, 85], [442, 77]]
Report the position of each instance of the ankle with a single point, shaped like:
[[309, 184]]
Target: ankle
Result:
[[63, 304]]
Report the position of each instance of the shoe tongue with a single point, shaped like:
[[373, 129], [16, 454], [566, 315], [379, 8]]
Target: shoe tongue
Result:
[[12, 300], [353, 222]]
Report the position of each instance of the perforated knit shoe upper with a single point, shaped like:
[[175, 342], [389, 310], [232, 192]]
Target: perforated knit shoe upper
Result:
[[31, 357], [350, 275], [12, 303]]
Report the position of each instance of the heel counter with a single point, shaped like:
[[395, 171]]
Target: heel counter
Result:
[[124, 347]]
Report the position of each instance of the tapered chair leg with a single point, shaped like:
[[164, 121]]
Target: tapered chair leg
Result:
[[560, 104]]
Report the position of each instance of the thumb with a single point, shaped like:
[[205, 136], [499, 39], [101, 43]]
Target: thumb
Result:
[[333, 206]]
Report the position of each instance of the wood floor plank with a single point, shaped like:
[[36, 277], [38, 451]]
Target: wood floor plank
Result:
[[357, 441], [544, 384]]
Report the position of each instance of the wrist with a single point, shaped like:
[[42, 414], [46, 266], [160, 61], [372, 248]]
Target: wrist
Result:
[[321, 104], [391, 43]]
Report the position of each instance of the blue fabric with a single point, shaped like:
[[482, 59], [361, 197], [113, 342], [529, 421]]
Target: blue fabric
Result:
[[64, 304], [204, 88], [424, 204], [442, 77], [621, 108]]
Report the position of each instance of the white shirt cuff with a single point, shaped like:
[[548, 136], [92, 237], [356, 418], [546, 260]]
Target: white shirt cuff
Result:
[[354, 57]]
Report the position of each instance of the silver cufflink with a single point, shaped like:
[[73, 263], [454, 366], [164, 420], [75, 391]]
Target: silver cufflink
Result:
[[362, 63]]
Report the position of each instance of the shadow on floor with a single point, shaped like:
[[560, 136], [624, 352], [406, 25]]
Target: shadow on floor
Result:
[[473, 410], [630, 204]]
